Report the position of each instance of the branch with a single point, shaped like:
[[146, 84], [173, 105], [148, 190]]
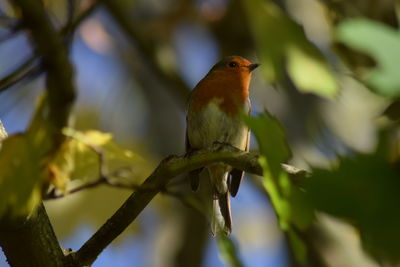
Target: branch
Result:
[[32, 66], [34, 235], [35, 238], [49, 44], [156, 182], [102, 180]]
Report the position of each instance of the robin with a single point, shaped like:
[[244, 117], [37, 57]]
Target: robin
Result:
[[213, 115]]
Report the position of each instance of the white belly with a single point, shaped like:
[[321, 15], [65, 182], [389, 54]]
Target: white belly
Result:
[[211, 125]]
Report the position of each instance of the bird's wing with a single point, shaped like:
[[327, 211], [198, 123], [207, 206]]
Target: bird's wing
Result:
[[194, 175], [236, 175]]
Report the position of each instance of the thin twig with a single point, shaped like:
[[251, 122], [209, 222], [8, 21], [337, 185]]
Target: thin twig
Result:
[[102, 180], [31, 67], [12, 30], [25, 70]]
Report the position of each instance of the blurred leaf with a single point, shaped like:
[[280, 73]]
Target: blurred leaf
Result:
[[89, 138], [20, 183], [58, 177], [381, 43], [22, 158], [289, 202], [75, 160], [271, 140], [310, 72], [299, 247], [364, 190], [228, 251], [281, 40], [80, 158]]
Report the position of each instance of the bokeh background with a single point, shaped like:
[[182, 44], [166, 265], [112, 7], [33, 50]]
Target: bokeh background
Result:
[[135, 63]]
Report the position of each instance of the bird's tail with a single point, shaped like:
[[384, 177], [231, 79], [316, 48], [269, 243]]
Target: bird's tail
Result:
[[221, 220]]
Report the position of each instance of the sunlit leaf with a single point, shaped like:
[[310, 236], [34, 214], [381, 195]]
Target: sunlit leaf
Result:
[[282, 44], [271, 140], [228, 251], [58, 177], [89, 138], [309, 71], [363, 189], [75, 160], [20, 176], [84, 154], [289, 202], [22, 161], [382, 44]]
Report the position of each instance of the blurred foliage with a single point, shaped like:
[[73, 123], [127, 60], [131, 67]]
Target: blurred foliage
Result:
[[93, 155], [363, 190], [290, 204], [382, 44], [228, 251], [383, 11], [20, 196], [88, 156], [339, 11], [22, 160], [282, 43]]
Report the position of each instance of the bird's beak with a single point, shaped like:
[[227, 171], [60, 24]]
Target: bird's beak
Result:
[[253, 66]]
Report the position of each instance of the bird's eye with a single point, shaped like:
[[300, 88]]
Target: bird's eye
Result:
[[232, 64]]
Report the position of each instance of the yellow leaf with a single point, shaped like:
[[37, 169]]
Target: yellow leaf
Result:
[[91, 137], [20, 176], [58, 177]]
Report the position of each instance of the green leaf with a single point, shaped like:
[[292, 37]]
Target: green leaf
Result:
[[310, 72], [20, 176], [271, 140], [289, 202], [363, 190], [85, 153], [380, 42], [279, 39], [228, 251], [22, 161], [299, 247]]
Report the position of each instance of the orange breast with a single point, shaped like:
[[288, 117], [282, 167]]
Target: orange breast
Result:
[[231, 90]]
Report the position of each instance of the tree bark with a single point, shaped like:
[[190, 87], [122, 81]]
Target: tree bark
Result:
[[31, 242]]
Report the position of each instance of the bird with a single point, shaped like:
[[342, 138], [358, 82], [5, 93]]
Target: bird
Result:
[[213, 116]]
